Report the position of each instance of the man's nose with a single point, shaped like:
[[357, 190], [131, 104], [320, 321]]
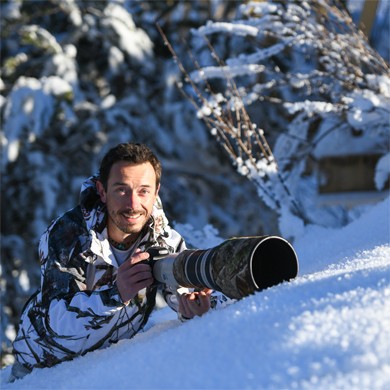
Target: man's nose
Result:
[[132, 200]]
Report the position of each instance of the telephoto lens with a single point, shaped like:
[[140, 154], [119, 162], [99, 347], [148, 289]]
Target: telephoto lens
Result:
[[237, 267]]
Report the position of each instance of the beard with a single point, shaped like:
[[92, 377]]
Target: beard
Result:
[[129, 221]]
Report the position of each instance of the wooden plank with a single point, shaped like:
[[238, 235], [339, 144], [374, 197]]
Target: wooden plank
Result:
[[347, 173], [367, 17]]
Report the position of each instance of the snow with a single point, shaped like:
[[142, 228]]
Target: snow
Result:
[[32, 101], [236, 28], [120, 21], [222, 72], [328, 328], [382, 172]]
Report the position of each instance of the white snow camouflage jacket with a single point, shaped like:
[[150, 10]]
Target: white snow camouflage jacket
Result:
[[78, 308]]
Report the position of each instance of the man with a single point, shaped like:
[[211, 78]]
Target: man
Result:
[[96, 287]]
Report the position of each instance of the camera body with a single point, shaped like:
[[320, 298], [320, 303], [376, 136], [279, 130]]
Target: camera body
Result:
[[161, 262]]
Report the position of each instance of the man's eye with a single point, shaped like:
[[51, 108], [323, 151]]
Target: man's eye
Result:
[[120, 190], [144, 191]]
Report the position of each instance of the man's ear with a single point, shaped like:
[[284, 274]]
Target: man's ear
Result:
[[101, 191], [158, 189]]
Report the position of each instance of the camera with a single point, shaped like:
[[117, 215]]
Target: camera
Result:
[[237, 267]]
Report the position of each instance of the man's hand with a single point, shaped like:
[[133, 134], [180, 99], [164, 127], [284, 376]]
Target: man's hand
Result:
[[133, 277], [194, 304]]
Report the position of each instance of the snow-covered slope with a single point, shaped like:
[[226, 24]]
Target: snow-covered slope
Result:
[[329, 328]]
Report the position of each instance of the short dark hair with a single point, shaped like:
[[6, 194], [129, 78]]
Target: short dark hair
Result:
[[134, 153]]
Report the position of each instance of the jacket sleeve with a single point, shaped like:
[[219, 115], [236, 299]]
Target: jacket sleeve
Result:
[[69, 319]]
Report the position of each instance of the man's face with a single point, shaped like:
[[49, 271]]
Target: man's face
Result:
[[130, 195]]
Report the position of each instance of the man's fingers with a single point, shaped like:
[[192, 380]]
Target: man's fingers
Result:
[[133, 279], [142, 283], [202, 304], [138, 256], [194, 304], [137, 268], [204, 300], [184, 308]]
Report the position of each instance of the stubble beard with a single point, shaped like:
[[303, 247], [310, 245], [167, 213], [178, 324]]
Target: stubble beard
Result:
[[129, 228]]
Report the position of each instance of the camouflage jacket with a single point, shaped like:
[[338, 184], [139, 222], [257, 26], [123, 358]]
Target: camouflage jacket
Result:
[[78, 308]]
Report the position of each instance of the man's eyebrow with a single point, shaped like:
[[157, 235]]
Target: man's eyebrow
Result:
[[120, 183]]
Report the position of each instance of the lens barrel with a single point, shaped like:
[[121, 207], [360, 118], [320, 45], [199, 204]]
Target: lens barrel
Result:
[[239, 266]]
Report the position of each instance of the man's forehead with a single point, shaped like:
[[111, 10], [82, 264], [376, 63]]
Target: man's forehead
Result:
[[123, 170]]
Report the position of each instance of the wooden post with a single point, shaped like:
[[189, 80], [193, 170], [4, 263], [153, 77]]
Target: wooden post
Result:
[[367, 16]]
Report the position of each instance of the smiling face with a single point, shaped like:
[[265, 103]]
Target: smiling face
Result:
[[129, 197]]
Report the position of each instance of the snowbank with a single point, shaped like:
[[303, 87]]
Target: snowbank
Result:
[[329, 328]]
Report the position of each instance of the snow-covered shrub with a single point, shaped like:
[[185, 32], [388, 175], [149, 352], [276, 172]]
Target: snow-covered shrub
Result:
[[300, 76]]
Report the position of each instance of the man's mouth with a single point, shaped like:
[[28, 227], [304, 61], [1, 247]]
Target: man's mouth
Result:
[[132, 215]]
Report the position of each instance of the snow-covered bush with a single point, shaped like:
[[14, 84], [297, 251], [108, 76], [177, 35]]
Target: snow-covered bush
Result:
[[301, 76]]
